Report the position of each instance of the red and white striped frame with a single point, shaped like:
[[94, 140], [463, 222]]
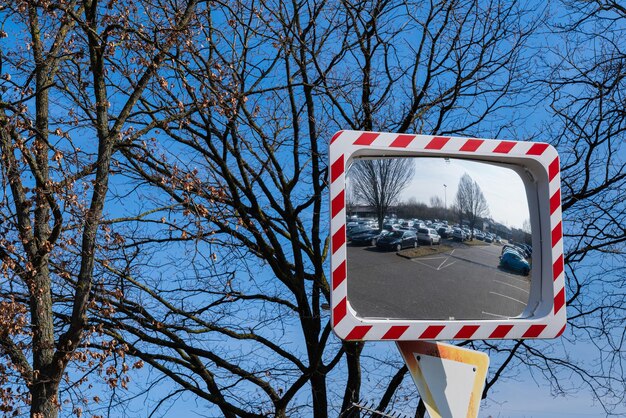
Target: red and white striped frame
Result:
[[547, 320]]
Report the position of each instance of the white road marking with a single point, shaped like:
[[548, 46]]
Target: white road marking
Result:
[[508, 297], [513, 286], [447, 265], [496, 315], [510, 276], [442, 263], [423, 264], [441, 266]]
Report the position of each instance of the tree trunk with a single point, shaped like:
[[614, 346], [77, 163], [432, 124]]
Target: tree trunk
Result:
[[353, 385], [44, 399]]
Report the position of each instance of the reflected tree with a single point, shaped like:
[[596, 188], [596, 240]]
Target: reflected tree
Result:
[[436, 202], [378, 183], [470, 203], [438, 205]]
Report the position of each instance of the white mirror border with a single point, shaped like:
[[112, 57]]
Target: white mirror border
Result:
[[547, 320]]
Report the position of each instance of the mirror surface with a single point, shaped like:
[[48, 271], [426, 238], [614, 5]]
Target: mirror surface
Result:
[[437, 238]]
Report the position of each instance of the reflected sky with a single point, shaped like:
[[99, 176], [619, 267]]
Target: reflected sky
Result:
[[502, 187]]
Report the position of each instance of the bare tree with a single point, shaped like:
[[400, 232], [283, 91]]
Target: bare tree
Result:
[[243, 180], [438, 207], [55, 183], [469, 202], [436, 202], [215, 276], [586, 84], [379, 182]]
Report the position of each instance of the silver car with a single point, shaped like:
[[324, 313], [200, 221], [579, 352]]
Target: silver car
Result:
[[428, 235]]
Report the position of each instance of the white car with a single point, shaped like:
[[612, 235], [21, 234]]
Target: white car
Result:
[[428, 235]]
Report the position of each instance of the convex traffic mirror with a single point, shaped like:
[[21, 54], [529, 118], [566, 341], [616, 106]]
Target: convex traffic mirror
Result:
[[437, 238], [444, 238]]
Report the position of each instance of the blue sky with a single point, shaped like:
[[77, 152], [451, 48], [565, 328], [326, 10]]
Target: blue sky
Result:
[[526, 396]]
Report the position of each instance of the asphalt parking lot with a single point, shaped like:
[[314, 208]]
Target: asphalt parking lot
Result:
[[462, 283]]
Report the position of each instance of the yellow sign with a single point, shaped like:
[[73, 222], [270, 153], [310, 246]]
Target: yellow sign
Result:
[[450, 379]]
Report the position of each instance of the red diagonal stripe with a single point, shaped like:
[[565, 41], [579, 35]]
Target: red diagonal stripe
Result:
[[366, 138], [339, 275], [358, 332], [559, 301], [339, 238], [553, 168], [557, 268], [471, 145], [555, 201], [337, 135], [504, 147], [336, 169], [431, 332], [557, 234], [402, 141], [395, 332], [437, 142], [338, 203], [466, 332], [537, 149], [534, 331], [501, 331], [561, 331], [340, 311]]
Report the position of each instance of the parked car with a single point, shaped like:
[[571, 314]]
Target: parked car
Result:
[[528, 248], [391, 226], [397, 240], [428, 235], [356, 230], [513, 261], [525, 249], [515, 249], [459, 235], [445, 231], [368, 237]]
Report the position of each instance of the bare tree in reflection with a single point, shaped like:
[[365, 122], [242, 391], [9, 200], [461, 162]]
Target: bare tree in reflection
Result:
[[378, 183], [438, 206], [469, 202]]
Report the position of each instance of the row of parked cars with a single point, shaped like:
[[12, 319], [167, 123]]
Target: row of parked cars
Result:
[[464, 234], [365, 232], [515, 257], [392, 239]]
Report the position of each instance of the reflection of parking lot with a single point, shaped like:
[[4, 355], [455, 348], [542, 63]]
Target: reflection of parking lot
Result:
[[463, 283]]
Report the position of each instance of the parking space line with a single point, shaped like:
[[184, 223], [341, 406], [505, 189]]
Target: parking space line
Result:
[[509, 297], [424, 264], [513, 286], [441, 266], [496, 315], [510, 276], [442, 263]]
